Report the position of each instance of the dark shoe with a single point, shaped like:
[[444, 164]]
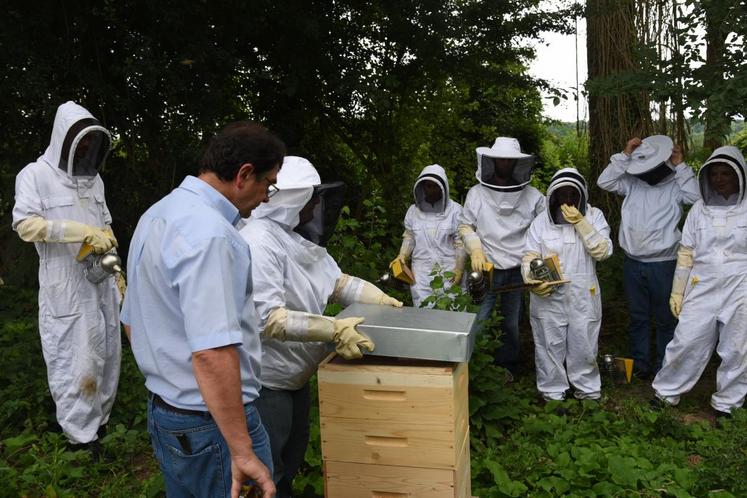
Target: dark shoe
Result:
[[720, 416], [658, 404]]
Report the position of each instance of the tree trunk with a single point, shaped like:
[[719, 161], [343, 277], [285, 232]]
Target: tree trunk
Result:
[[615, 115]]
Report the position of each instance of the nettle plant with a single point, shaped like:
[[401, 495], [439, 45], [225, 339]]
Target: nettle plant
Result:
[[447, 297]]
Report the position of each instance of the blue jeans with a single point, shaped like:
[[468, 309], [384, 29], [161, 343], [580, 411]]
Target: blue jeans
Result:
[[647, 290], [286, 418], [508, 353], [192, 453]]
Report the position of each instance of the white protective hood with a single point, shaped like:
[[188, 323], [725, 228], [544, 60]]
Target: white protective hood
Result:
[[437, 175], [71, 123], [296, 181], [730, 156], [567, 177], [504, 148]]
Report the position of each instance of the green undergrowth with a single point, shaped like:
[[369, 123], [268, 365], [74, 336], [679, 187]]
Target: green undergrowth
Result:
[[519, 446]]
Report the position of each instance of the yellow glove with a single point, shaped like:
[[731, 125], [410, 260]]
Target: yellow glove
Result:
[[675, 304], [401, 258], [101, 239], [348, 341], [478, 260], [571, 213], [349, 290], [541, 288]]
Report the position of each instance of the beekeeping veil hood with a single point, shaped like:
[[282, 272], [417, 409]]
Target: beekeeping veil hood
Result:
[[650, 160], [566, 177], [298, 184], [520, 169], [79, 143], [728, 156], [437, 175]]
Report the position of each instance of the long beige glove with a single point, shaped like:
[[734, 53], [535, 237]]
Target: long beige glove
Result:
[[349, 290], [538, 286], [461, 258], [473, 245], [681, 276], [38, 229], [405, 250], [595, 244], [287, 325], [119, 279]]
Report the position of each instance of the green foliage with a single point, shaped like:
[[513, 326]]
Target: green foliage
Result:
[[34, 457], [453, 298]]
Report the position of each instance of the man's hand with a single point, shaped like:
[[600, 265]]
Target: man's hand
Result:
[[677, 157], [632, 145], [245, 468]]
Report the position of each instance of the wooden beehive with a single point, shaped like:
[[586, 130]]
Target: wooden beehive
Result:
[[392, 428]]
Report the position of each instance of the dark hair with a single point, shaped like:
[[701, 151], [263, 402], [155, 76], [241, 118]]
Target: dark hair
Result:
[[239, 143]]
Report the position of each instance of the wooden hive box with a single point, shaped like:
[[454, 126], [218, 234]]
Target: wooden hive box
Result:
[[394, 428]]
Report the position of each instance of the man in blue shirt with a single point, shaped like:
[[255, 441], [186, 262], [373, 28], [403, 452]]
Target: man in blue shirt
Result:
[[190, 317]]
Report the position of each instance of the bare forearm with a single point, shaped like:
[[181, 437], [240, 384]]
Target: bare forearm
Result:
[[128, 332], [218, 376]]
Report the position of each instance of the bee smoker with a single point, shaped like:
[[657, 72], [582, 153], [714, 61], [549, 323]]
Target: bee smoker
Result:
[[477, 285], [99, 267], [539, 270]]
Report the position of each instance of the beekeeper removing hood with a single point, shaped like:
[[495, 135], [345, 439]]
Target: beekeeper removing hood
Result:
[[431, 234], [60, 206], [656, 183], [293, 280], [493, 225]]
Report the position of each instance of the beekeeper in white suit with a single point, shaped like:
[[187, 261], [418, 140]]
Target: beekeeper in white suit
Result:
[[59, 206], [656, 182], [566, 319], [709, 289], [493, 225], [431, 234], [294, 279]]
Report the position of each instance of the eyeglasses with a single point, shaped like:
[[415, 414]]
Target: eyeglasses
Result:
[[272, 189]]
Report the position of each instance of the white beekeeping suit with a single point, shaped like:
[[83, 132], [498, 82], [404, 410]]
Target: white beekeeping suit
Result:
[[709, 290], [59, 205], [431, 234], [293, 279], [495, 218], [566, 319]]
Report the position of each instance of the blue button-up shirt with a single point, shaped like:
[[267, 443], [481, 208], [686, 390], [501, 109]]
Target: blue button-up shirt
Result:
[[190, 289]]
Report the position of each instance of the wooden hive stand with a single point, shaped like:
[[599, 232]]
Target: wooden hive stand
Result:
[[394, 428]]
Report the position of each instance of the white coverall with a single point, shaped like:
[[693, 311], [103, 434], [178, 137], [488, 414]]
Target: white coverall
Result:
[[434, 231], [566, 323], [78, 320], [714, 309], [290, 272]]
